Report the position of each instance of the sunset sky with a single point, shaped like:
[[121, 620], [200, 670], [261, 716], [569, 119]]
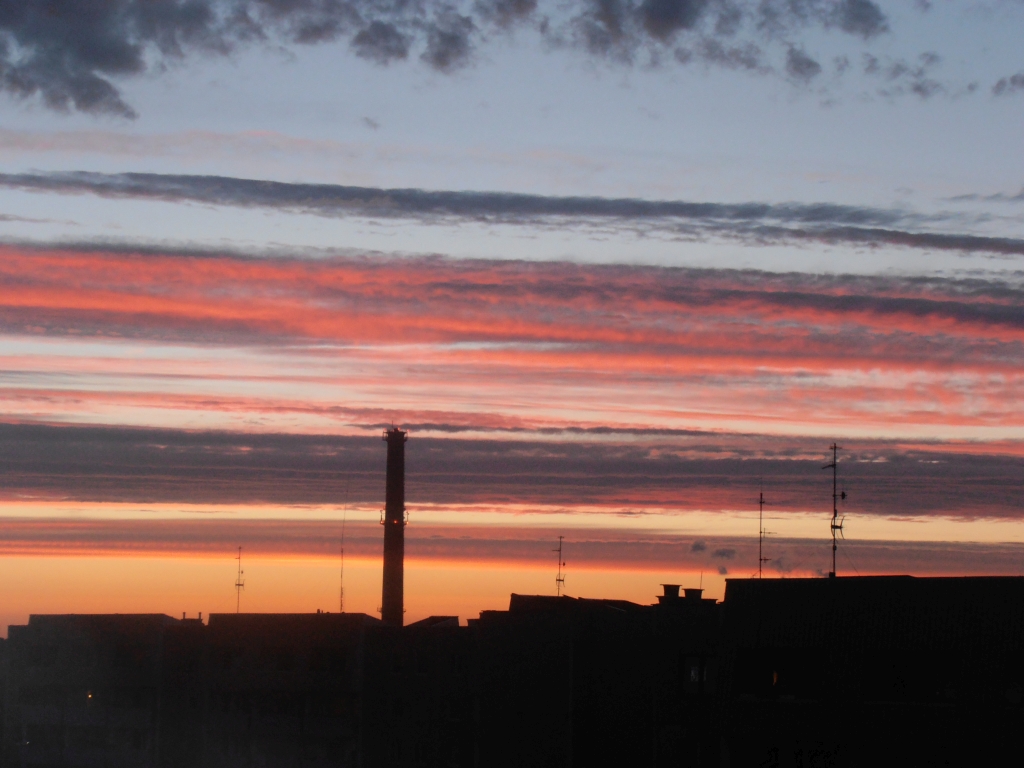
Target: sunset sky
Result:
[[616, 265]]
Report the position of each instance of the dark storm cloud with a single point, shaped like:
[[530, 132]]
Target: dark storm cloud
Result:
[[899, 76], [1007, 85], [755, 223], [66, 50], [449, 42], [664, 18], [710, 51], [505, 13], [800, 66], [381, 43], [109, 464], [860, 17], [72, 53]]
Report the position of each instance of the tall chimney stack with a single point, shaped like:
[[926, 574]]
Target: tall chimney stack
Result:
[[392, 602]]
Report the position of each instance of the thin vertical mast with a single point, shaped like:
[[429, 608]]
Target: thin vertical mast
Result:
[[560, 578], [761, 534], [835, 505], [836, 525], [341, 596], [344, 517], [239, 582]]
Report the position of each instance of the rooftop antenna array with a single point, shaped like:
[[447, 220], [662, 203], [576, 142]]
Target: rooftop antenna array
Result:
[[239, 582], [837, 523], [560, 578], [761, 559]]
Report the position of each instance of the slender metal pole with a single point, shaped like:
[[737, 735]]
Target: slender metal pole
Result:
[[341, 596], [560, 578], [835, 505], [760, 534], [239, 582], [835, 524], [344, 518]]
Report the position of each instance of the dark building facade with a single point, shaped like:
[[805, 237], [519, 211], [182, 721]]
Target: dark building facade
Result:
[[872, 671], [790, 672]]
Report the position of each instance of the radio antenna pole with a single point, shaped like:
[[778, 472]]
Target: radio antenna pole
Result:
[[239, 582], [344, 518], [761, 559], [560, 578], [837, 524]]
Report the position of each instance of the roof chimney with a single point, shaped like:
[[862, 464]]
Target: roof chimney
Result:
[[393, 597], [671, 594]]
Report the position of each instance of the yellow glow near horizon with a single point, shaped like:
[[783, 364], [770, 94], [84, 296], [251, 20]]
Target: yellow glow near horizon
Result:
[[171, 585]]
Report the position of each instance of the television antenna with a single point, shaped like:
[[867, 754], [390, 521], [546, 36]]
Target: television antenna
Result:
[[560, 578], [239, 582], [837, 523], [761, 559]]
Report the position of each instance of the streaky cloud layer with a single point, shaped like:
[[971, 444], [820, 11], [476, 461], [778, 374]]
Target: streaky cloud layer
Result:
[[631, 475], [523, 546], [753, 223], [624, 387], [292, 344]]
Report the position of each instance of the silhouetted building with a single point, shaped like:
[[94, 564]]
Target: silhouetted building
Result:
[[784, 672], [571, 681], [85, 691], [421, 702], [274, 689], [888, 670]]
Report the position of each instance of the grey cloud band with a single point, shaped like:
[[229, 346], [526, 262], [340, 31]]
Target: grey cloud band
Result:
[[752, 222]]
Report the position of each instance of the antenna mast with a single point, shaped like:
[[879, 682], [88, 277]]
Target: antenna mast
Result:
[[560, 578], [341, 596], [761, 559], [837, 524], [344, 518], [239, 582]]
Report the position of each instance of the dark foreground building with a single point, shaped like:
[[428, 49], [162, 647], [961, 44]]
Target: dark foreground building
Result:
[[867, 671], [792, 672]]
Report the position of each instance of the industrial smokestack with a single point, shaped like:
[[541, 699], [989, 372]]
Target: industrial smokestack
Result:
[[392, 602]]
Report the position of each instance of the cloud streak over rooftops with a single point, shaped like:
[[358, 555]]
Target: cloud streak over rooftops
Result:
[[752, 223]]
